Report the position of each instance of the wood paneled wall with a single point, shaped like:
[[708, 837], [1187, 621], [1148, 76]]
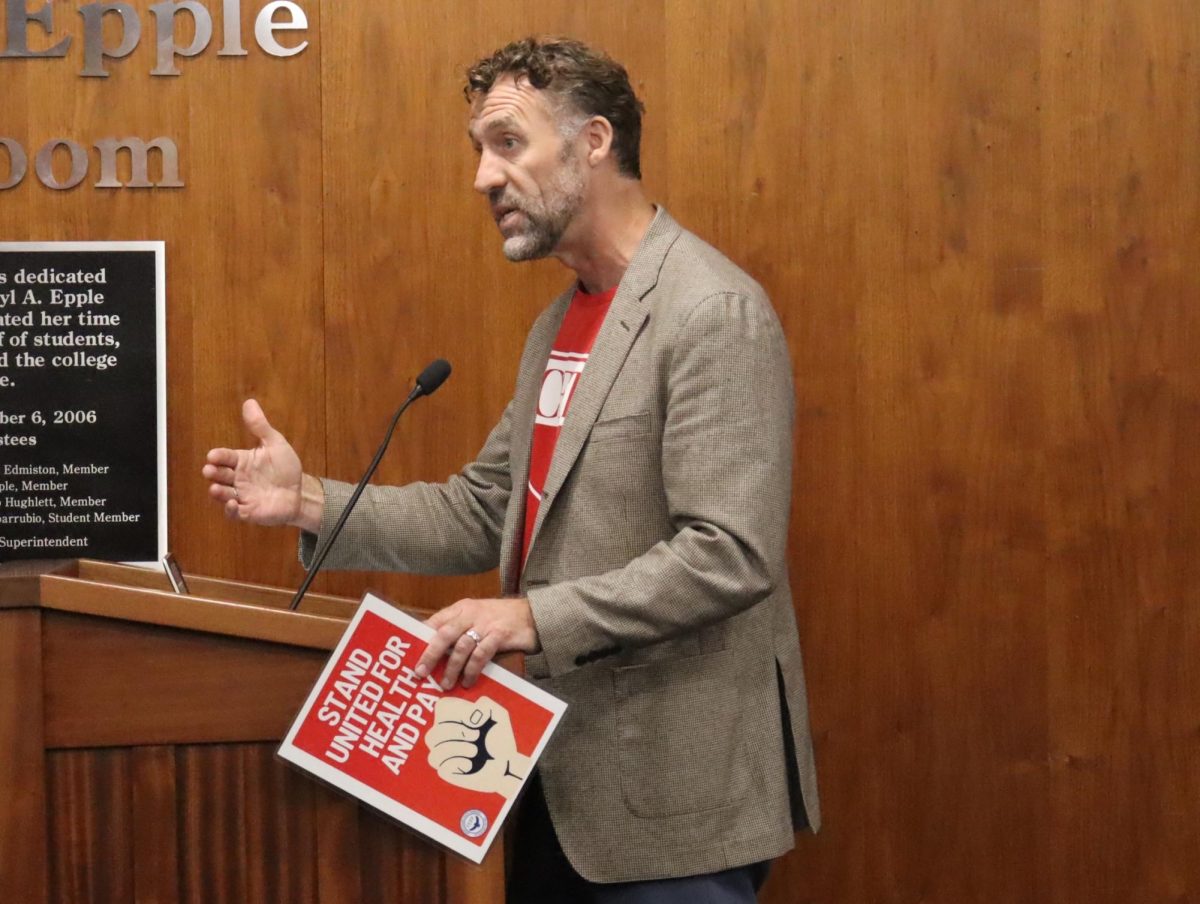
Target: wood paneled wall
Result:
[[980, 223]]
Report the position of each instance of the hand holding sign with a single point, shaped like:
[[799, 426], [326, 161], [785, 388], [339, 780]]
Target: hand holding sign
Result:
[[471, 745], [443, 763]]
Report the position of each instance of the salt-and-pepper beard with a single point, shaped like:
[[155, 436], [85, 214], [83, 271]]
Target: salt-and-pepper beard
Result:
[[547, 218]]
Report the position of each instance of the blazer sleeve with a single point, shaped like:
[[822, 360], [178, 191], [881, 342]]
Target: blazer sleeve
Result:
[[447, 528], [726, 463]]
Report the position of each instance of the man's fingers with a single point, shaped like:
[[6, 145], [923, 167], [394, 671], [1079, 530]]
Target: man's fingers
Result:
[[257, 423], [484, 652], [224, 458], [218, 473], [486, 619], [222, 492], [437, 648], [459, 654], [439, 618]]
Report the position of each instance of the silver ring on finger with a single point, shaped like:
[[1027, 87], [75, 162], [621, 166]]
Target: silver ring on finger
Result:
[[474, 635]]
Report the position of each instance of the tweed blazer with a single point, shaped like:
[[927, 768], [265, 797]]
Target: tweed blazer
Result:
[[656, 573]]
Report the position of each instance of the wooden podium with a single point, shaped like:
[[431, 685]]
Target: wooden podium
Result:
[[137, 739]]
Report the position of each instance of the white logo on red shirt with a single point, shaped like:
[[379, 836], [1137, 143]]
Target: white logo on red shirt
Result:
[[558, 385]]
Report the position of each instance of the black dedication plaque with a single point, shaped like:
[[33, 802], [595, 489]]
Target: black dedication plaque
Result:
[[82, 401]]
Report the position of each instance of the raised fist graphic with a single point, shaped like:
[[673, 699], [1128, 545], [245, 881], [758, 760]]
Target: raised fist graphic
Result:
[[471, 745]]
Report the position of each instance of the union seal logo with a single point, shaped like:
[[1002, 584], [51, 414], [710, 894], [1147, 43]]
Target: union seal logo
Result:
[[473, 823]]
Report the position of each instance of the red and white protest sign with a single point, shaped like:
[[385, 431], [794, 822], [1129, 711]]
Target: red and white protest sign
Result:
[[448, 764]]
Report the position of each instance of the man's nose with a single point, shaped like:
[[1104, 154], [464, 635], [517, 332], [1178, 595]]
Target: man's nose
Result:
[[489, 175]]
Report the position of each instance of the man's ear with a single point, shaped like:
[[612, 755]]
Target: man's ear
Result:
[[598, 133]]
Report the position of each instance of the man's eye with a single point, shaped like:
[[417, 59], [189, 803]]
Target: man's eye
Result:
[[509, 143]]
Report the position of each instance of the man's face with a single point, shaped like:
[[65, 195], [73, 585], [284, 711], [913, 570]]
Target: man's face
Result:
[[532, 177]]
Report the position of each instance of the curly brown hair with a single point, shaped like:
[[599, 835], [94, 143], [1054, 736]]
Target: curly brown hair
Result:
[[590, 82]]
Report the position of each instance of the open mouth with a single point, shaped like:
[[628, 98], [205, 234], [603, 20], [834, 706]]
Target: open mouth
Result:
[[506, 216]]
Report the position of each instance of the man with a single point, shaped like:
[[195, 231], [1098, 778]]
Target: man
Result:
[[635, 496]]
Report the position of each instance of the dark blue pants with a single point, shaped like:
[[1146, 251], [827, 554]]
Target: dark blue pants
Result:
[[539, 872]]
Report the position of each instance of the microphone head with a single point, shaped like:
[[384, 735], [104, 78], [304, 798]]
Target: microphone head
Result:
[[433, 376]]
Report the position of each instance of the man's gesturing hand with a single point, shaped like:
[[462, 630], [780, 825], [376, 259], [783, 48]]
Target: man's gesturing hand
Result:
[[265, 485], [471, 745], [472, 632]]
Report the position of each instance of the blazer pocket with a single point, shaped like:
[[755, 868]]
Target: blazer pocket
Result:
[[620, 427], [677, 734]]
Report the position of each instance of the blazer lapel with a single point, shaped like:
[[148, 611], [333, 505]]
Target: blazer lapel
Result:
[[616, 337], [529, 386]]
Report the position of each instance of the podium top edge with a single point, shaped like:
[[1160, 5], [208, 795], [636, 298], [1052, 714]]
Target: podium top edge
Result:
[[81, 596]]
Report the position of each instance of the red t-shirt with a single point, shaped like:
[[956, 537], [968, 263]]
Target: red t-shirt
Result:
[[563, 370]]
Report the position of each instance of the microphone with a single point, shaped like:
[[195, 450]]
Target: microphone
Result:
[[431, 378]]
